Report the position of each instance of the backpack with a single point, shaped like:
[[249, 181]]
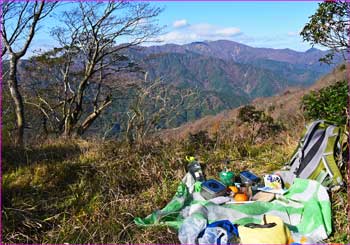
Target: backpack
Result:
[[319, 155]]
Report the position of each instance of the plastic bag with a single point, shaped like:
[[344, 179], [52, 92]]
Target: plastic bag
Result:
[[219, 232], [191, 228]]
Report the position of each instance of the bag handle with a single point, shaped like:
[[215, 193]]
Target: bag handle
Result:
[[265, 225]]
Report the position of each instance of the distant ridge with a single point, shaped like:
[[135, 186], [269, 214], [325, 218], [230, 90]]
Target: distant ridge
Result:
[[229, 73]]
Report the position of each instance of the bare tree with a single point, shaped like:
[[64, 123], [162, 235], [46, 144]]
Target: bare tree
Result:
[[156, 106], [19, 21], [92, 38]]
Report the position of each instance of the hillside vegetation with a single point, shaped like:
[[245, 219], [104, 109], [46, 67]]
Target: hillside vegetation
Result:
[[285, 106], [221, 75], [226, 74], [81, 191]]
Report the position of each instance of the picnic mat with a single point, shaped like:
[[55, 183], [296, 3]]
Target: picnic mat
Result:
[[305, 209]]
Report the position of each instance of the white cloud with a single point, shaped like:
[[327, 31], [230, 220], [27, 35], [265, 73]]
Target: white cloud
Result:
[[178, 37], [209, 32], [229, 31], [199, 32], [293, 33], [180, 23]]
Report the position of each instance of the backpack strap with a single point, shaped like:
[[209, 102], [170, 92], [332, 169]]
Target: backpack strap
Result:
[[316, 153], [329, 158], [315, 149], [296, 160], [308, 136], [344, 146]]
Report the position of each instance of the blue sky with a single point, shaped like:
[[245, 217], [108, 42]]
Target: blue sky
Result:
[[258, 24]]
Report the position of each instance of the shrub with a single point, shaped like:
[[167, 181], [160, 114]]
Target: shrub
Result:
[[199, 140], [270, 128], [328, 103], [262, 124], [250, 114]]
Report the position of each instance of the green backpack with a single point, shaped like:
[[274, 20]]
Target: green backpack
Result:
[[319, 155]]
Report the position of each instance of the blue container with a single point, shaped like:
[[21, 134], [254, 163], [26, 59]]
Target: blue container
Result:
[[212, 188], [247, 176]]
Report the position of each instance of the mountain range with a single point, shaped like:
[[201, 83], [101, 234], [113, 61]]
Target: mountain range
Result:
[[223, 74], [230, 73]]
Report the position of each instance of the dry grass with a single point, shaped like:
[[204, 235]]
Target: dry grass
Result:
[[93, 193], [90, 198]]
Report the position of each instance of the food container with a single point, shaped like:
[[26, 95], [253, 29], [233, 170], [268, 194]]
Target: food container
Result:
[[212, 188], [249, 176]]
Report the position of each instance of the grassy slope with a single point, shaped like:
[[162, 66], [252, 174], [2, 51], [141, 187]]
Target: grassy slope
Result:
[[89, 192]]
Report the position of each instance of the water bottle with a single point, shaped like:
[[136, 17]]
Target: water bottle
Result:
[[195, 169]]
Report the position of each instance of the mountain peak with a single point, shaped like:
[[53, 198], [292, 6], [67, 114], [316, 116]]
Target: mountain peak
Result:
[[310, 50], [199, 43]]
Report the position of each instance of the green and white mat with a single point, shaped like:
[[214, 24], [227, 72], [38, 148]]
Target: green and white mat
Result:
[[305, 209]]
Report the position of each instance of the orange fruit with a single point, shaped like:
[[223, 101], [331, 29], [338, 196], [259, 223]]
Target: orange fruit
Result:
[[241, 197], [234, 189]]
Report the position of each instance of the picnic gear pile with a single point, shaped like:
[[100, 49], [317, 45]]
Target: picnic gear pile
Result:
[[286, 207]]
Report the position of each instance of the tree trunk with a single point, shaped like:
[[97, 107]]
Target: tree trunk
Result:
[[92, 117], [17, 98], [67, 126]]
